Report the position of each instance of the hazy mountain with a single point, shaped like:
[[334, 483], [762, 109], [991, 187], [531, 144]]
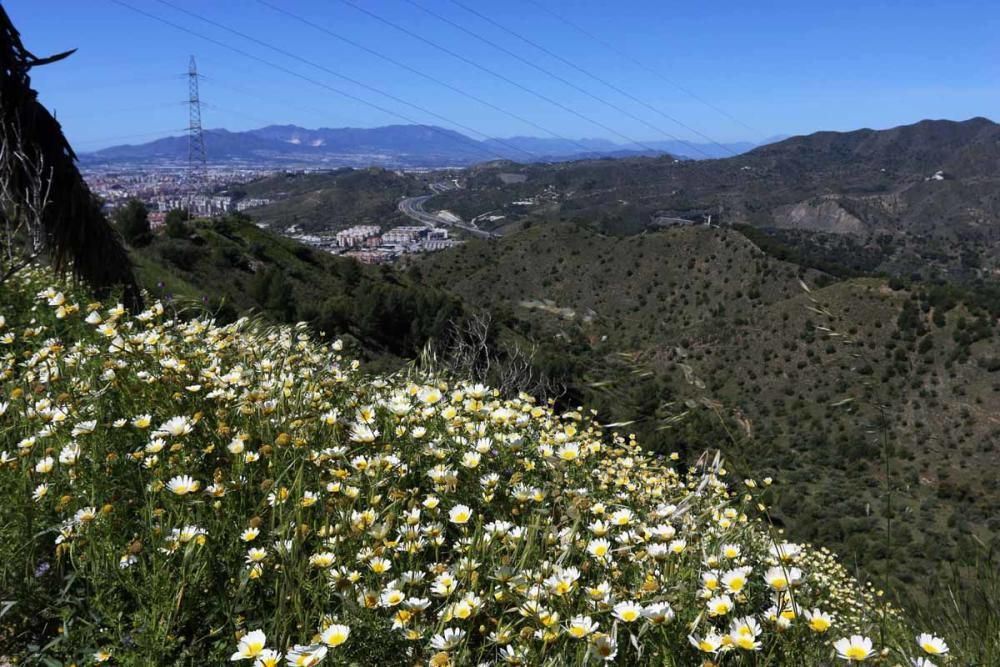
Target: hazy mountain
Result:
[[553, 146], [404, 145], [701, 151], [392, 146], [605, 147]]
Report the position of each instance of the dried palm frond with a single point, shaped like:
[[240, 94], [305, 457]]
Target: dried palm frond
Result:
[[41, 181]]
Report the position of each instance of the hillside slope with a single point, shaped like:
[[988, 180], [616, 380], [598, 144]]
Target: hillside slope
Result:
[[245, 492], [646, 324], [328, 202], [926, 196], [234, 267]]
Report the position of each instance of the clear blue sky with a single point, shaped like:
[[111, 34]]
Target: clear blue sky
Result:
[[778, 66]]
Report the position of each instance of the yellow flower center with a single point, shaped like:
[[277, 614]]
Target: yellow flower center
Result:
[[856, 653], [819, 624]]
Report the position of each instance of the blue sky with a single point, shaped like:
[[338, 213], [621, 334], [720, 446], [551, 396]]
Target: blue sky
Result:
[[775, 66]]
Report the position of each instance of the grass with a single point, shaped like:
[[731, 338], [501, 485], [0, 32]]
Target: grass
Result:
[[181, 492]]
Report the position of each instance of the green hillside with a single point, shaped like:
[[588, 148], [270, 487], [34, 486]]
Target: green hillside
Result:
[[233, 267], [874, 399], [330, 201], [199, 493], [791, 381], [919, 198], [681, 334]]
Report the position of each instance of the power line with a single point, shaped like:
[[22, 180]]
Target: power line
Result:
[[491, 72], [555, 76], [203, 104], [323, 68], [105, 112], [639, 64], [173, 105], [424, 75], [602, 81], [121, 137], [451, 135], [236, 112], [266, 98], [328, 114]]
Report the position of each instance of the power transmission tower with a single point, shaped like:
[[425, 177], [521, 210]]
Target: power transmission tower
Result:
[[196, 138]]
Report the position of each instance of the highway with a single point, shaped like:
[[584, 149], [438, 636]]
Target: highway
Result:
[[413, 208]]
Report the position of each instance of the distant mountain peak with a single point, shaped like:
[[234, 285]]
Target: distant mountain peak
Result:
[[389, 145], [432, 146]]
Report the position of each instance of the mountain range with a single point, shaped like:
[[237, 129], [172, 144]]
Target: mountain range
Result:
[[916, 198], [391, 146]]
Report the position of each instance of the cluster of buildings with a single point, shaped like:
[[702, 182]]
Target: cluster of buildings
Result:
[[251, 202], [197, 205], [166, 188], [369, 244], [357, 235]]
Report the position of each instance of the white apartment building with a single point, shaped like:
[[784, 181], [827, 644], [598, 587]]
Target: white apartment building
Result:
[[403, 235], [356, 235]]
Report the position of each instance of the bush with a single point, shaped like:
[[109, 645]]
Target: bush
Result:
[[175, 224], [132, 221], [181, 254]]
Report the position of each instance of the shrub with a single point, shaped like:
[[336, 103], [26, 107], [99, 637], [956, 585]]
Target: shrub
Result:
[[132, 220]]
